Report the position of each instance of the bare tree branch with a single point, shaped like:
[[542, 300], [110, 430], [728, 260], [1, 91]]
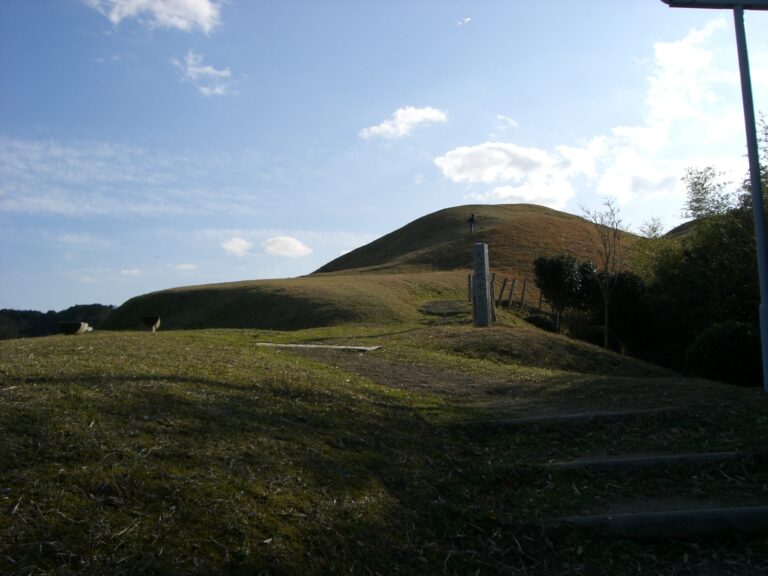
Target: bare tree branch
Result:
[[610, 253]]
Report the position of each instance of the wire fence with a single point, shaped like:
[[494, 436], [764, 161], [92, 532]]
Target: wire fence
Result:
[[510, 292]]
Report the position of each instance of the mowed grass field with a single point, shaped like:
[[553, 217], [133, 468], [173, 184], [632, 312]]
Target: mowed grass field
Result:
[[199, 452], [295, 303]]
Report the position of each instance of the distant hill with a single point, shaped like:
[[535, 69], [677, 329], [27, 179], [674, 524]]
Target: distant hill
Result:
[[27, 323], [292, 304], [385, 281], [516, 234], [682, 230]]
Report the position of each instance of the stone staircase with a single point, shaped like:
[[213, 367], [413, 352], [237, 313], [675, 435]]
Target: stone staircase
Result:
[[652, 474]]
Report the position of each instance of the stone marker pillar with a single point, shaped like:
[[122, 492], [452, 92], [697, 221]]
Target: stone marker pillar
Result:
[[481, 289]]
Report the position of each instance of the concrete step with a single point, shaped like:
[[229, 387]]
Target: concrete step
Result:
[[318, 347], [640, 461], [579, 417], [684, 524]]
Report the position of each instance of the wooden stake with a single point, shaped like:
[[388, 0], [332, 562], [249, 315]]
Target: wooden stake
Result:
[[511, 292], [501, 292], [522, 297]]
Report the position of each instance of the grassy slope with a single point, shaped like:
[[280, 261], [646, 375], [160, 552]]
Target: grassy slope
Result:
[[293, 304], [385, 281], [515, 233], [199, 453], [188, 454]]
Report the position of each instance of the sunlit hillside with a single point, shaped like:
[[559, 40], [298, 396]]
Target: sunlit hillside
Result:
[[515, 233], [385, 281]]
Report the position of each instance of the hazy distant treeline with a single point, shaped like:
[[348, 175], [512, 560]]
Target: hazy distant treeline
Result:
[[26, 323]]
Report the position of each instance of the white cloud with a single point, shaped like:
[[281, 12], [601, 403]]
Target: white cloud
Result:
[[525, 174], [693, 118], [184, 15], [113, 58], [130, 272], [491, 162], [403, 122], [553, 192], [685, 81], [324, 242], [185, 267], [209, 81], [581, 160], [286, 246], [92, 275], [238, 246], [464, 21], [507, 121], [503, 124], [82, 240], [92, 178]]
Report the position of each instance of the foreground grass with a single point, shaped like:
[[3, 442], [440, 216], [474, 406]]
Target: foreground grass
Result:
[[192, 451], [199, 453]]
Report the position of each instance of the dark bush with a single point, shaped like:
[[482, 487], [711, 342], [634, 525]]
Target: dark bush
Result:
[[543, 322], [594, 335], [727, 351], [26, 323]]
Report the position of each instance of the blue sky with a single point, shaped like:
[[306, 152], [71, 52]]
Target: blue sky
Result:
[[148, 144]]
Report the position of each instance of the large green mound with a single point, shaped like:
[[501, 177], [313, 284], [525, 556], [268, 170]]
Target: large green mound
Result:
[[385, 281], [292, 304], [515, 233]]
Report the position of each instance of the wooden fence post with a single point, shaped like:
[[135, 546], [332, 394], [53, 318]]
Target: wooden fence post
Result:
[[522, 297], [511, 293], [493, 297], [501, 292]]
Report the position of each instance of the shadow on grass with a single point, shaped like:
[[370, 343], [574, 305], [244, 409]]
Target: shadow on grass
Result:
[[130, 474], [147, 474]]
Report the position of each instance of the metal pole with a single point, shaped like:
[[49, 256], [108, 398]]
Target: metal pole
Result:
[[758, 213]]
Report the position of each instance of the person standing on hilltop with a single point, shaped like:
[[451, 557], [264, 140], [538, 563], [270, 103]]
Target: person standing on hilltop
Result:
[[471, 221]]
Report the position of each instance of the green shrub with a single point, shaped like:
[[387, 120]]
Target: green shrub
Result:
[[543, 322], [727, 351], [594, 335]]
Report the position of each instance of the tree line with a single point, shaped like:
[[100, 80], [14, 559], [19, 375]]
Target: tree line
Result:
[[688, 299], [28, 323]]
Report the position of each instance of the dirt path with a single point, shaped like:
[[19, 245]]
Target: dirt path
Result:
[[412, 376], [515, 393]]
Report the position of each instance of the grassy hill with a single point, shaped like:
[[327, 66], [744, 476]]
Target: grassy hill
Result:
[[385, 281], [515, 233], [293, 303]]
